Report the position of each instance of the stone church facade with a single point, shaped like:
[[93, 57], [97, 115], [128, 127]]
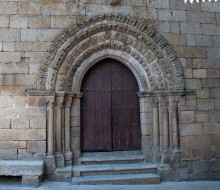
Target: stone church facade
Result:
[[172, 49]]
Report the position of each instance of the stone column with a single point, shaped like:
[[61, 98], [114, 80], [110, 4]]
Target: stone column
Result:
[[175, 131], [156, 130], [58, 121], [156, 137], [165, 122], [75, 126], [50, 124], [165, 154], [68, 153], [50, 160]]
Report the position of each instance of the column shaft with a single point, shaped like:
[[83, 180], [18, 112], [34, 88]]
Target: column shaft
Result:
[[50, 124], [156, 138]]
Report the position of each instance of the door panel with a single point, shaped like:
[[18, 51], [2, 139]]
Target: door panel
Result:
[[110, 108]]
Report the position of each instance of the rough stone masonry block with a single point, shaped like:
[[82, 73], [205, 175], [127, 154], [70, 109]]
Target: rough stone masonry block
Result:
[[8, 8], [23, 134], [205, 104], [193, 84], [40, 22], [29, 8], [10, 57], [9, 35], [190, 28], [215, 165], [213, 53], [5, 123], [210, 29], [4, 21], [156, 3], [36, 101], [200, 166], [17, 21], [217, 103], [180, 5], [191, 129], [36, 147], [211, 128], [205, 140], [8, 154], [20, 123], [199, 73], [37, 122], [201, 17], [215, 93], [202, 116], [215, 115], [13, 145], [47, 35], [31, 180], [187, 117], [204, 93], [211, 7], [28, 35]]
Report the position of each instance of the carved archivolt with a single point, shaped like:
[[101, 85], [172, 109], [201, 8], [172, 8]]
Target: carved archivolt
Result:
[[116, 36]]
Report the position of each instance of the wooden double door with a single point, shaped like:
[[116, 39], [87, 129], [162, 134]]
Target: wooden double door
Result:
[[110, 114]]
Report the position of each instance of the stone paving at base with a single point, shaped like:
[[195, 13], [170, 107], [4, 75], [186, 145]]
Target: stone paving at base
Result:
[[46, 185]]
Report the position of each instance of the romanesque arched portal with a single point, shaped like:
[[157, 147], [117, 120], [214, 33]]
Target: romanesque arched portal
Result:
[[136, 44]]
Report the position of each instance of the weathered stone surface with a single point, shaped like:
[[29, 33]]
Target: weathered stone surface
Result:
[[22, 134], [188, 141], [13, 144], [204, 93], [37, 122], [191, 129], [215, 93], [193, 84], [205, 140], [18, 21], [20, 123], [31, 180], [205, 104], [200, 166], [202, 116], [187, 117], [36, 147], [23, 167], [29, 8], [8, 154], [215, 115], [215, 165]]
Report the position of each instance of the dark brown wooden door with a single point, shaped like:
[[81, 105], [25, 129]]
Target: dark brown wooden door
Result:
[[110, 108]]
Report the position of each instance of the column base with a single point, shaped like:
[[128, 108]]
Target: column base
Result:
[[50, 165], [59, 157], [68, 158]]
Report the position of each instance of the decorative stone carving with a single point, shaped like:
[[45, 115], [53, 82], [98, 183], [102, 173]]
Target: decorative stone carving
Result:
[[116, 32]]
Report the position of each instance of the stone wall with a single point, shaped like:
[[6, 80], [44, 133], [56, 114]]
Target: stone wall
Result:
[[27, 29]]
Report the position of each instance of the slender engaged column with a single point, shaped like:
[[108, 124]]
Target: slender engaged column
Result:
[[175, 126], [165, 124], [59, 104], [67, 121], [156, 138], [50, 123]]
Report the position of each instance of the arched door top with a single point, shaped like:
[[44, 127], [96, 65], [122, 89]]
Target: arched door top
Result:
[[110, 111], [130, 40]]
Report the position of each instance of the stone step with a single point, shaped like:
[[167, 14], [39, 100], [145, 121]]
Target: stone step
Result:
[[103, 169], [120, 179], [104, 159]]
